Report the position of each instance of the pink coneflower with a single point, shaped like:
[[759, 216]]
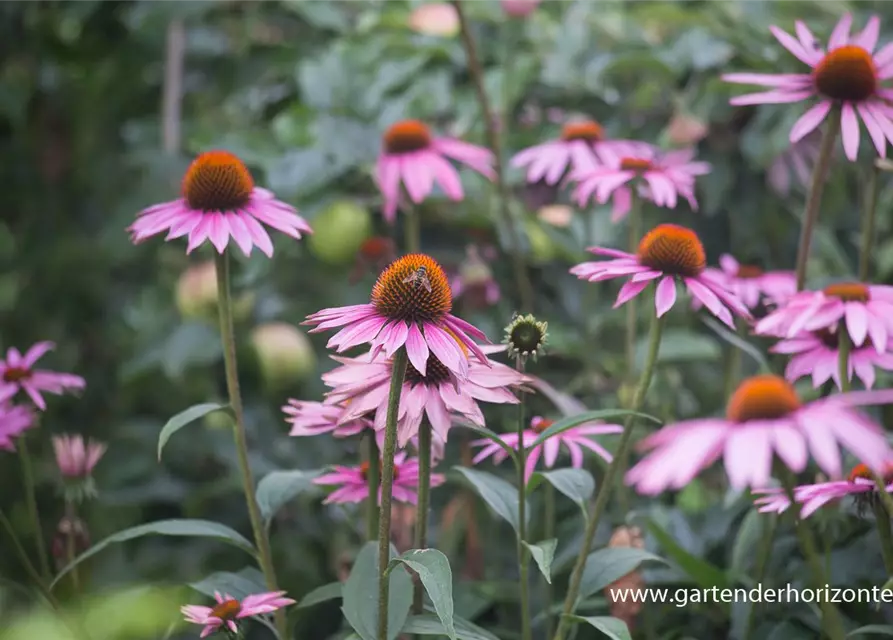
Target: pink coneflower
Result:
[[817, 354], [847, 76], [13, 422], [220, 201], [411, 155], [574, 439], [858, 484], [316, 418], [659, 177], [475, 282], [229, 610], [75, 457], [797, 162], [753, 286], [17, 373], [353, 482], [666, 252], [865, 310], [411, 304], [437, 394], [765, 416], [519, 8]]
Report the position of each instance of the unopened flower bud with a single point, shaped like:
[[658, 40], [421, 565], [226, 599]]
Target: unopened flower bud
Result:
[[526, 337], [284, 354]]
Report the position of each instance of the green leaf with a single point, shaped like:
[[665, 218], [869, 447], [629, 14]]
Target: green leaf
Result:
[[434, 571], [496, 492], [610, 627], [702, 572], [602, 414], [278, 487], [244, 583], [360, 605], [543, 554], [681, 345], [183, 528], [576, 484], [429, 625], [184, 418], [491, 436], [737, 341], [324, 593], [747, 540], [872, 630], [608, 565]]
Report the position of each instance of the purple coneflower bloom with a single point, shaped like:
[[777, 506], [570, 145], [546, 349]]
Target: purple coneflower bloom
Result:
[[666, 252], [315, 418], [353, 483], [752, 285], [17, 373], [220, 201], [76, 458], [848, 75], [765, 416], [14, 420], [229, 610]]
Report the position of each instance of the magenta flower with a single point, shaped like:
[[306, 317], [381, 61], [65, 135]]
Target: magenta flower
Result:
[[315, 418], [353, 482], [13, 422], [817, 354], [666, 252], [228, 610], [659, 177], [220, 201], [574, 439], [75, 457], [765, 416], [865, 310], [411, 155], [848, 75], [411, 304], [437, 394], [17, 373], [753, 286]]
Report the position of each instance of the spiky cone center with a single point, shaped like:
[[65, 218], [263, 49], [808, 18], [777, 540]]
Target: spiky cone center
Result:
[[765, 397], [541, 424], [436, 373], [748, 272], [586, 130], [364, 471], [400, 293], [227, 610], [639, 165], [847, 74], [526, 336], [673, 250], [217, 181], [848, 291], [862, 471], [16, 374], [407, 136]]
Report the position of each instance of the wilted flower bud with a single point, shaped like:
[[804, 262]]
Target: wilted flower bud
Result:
[[71, 540], [525, 337], [626, 609], [76, 458], [475, 282], [284, 354], [519, 8]]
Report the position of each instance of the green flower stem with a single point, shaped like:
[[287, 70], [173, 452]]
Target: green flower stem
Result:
[[476, 71], [832, 623], [412, 228], [33, 511], [814, 199], [26, 562], [882, 519], [634, 233], [601, 500], [548, 534], [372, 475], [843, 358], [398, 372], [70, 544], [763, 553], [523, 556], [423, 506], [228, 336], [885, 498], [868, 220]]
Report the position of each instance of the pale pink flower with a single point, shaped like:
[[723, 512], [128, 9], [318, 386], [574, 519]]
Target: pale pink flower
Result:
[[848, 75], [411, 304], [353, 483], [17, 373], [316, 418], [764, 417], [415, 158], [574, 440], [795, 162], [667, 252], [229, 610], [75, 457], [753, 286], [220, 201], [14, 421]]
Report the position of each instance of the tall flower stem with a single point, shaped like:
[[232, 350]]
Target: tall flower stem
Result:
[[882, 519], [548, 534], [522, 282], [868, 220], [398, 372], [814, 199], [31, 502], [633, 236], [412, 229], [832, 623], [885, 497], [372, 475], [523, 556], [26, 562], [601, 500], [228, 336], [843, 358], [423, 506], [763, 553]]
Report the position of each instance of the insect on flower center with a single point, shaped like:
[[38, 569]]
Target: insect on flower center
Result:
[[862, 471], [227, 610], [639, 165], [847, 73], [674, 250], [406, 136], [748, 272], [848, 291], [16, 374], [587, 131], [413, 288], [217, 181], [765, 397], [541, 424]]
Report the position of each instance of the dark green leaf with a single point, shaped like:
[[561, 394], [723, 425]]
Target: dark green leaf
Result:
[[543, 553], [610, 627], [496, 492], [429, 625], [602, 414], [747, 540], [576, 484], [184, 418], [872, 630], [608, 565], [244, 583], [703, 573], [360, 596], [278, 487], [434, 571], [324, 593]]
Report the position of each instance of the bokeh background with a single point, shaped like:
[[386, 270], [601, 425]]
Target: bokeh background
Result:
[[102, 106]]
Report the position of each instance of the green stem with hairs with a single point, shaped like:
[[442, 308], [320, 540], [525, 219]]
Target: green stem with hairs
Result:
[[398, 372], [601, 500], [372, 476], [882, 520], [523, 555], [548, 534], [228, 337], [868, 220], [423, 506], [31, 502], [763, 553], [814, 199]]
